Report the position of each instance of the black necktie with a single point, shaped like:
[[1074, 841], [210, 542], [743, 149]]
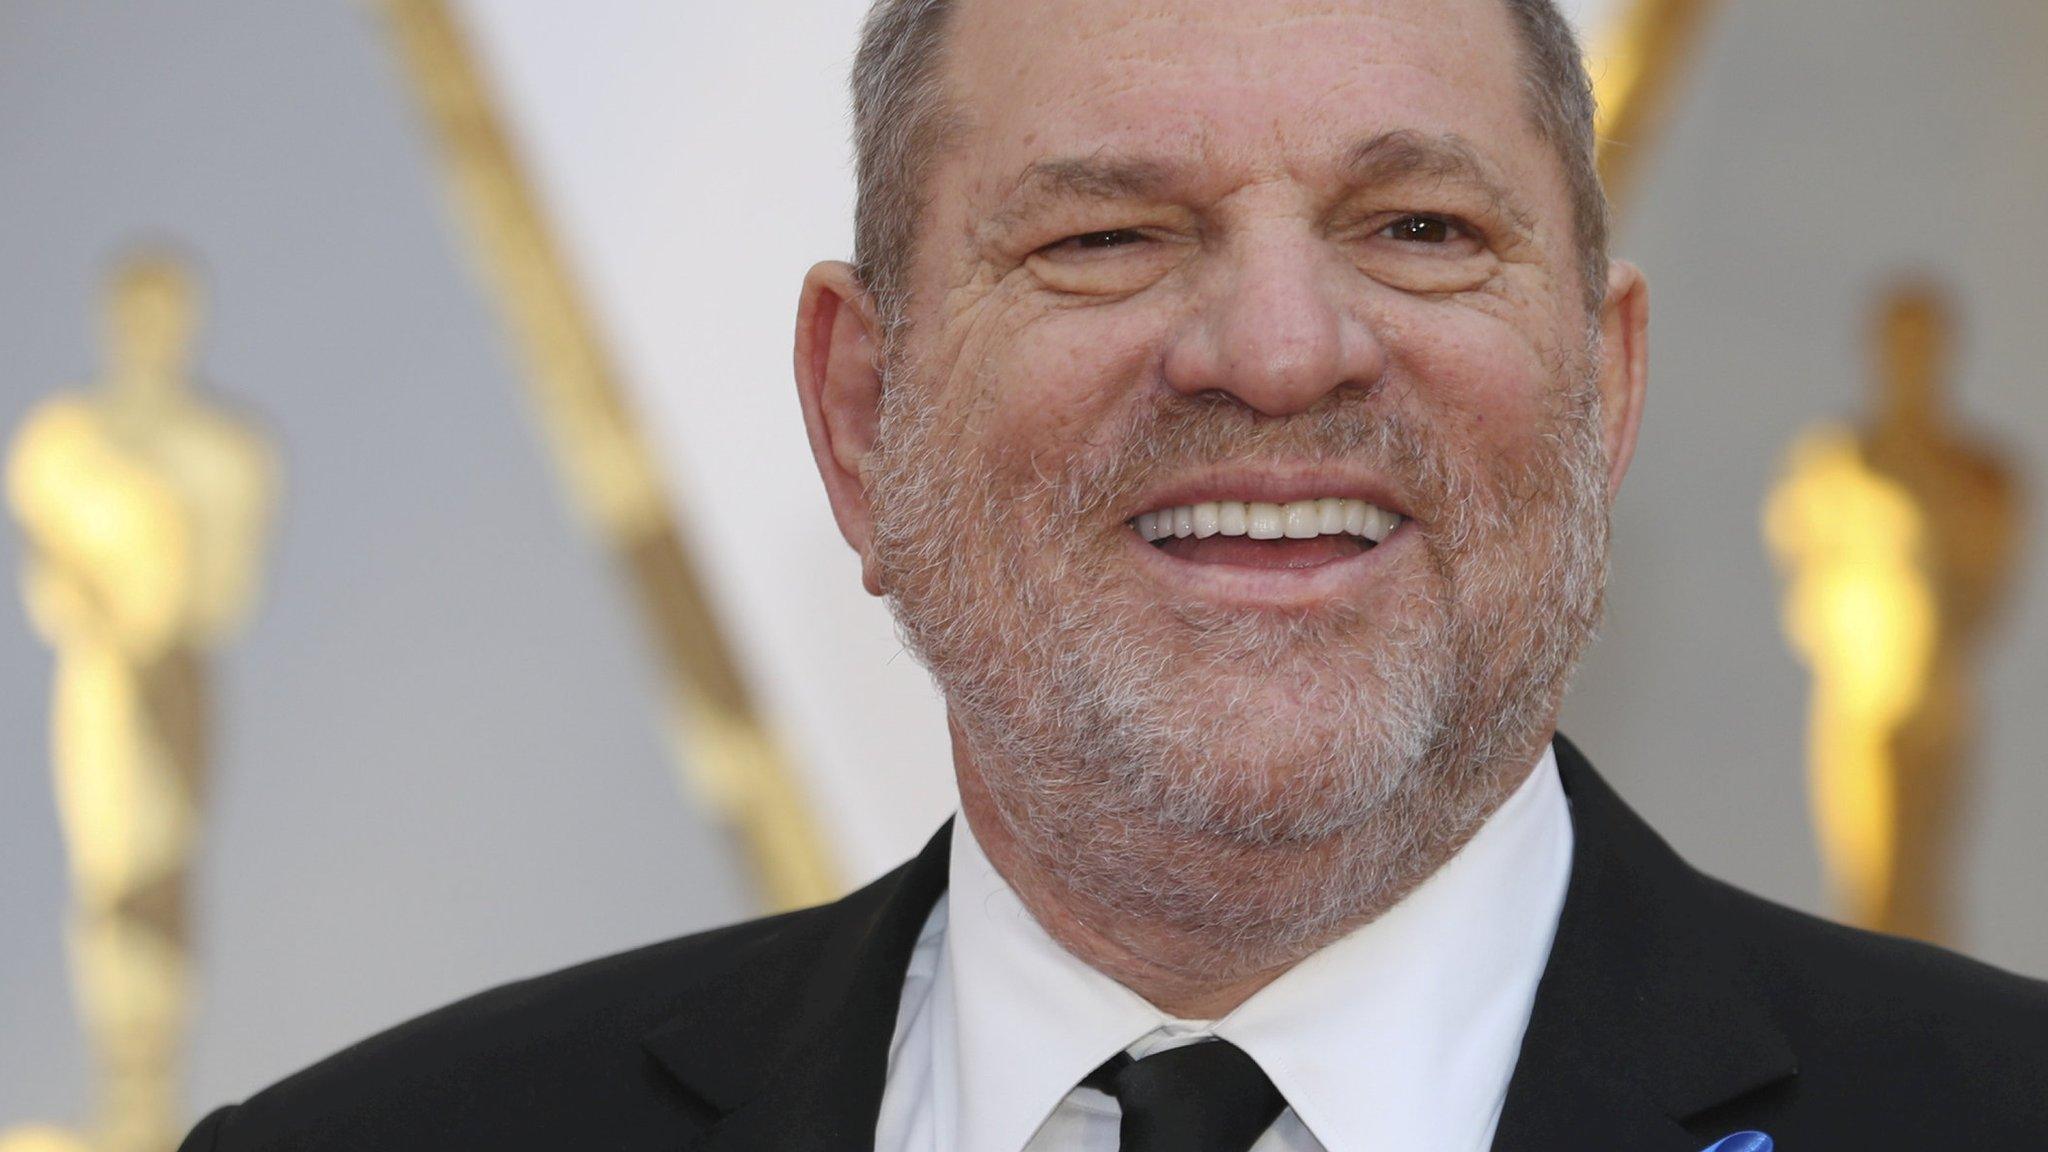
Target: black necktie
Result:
[[1206, 1097]]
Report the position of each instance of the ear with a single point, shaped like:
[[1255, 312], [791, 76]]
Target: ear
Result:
[[839, 383], [1624, 365]]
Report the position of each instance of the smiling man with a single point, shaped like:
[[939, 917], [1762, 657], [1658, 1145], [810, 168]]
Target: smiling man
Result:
[[1228, 396]]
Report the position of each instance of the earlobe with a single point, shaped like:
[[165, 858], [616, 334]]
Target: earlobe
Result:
[[1624, 366], [839, 384]]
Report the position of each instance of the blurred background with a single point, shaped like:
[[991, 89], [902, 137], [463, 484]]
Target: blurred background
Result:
[[423, 581]]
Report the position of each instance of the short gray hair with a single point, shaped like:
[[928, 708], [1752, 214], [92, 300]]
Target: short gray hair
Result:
[[901, 120]]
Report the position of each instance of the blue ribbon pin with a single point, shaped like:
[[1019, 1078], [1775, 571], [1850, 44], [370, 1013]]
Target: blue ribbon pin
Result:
[[1742, 1142]]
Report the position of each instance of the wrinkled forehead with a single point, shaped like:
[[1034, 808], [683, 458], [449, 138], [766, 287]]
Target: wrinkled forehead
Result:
[[1251, 89]]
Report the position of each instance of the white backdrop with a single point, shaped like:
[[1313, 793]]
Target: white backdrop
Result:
[[696, 161]]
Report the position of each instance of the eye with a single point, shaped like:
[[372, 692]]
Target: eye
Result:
[[1418, 229], [1111, 262], [1426, 252], [1098, 241]]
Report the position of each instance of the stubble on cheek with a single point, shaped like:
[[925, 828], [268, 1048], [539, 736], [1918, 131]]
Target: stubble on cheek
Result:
[[1037, 407]]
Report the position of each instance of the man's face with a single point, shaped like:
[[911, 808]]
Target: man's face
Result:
[[1241, 252]]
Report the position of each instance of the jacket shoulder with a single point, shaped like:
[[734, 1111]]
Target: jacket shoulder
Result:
[[1879, 1022], [1739, 1013], [547, 1062]]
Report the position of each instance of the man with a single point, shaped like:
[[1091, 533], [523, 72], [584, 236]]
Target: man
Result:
[[1228, 396]]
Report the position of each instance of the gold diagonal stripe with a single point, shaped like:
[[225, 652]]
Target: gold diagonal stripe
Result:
[[728, 753]]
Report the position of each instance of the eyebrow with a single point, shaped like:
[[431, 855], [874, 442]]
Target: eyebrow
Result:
[[1382, 159], [1102, 175], [1445, 156]]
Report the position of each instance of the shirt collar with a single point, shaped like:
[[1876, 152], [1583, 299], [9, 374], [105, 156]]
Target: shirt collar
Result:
[[1402, 1034], [1030, 1019]]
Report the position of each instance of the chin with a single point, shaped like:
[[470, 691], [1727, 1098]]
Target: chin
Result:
[[1292, 775]]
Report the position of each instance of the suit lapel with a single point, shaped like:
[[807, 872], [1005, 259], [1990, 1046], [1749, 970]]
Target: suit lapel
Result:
[[790, 1044], [1645, 1017]]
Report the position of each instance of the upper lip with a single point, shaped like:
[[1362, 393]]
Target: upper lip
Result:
[[1270, 485]]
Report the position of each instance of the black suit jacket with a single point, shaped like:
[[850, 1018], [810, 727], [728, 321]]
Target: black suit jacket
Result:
[[1674, 1010]]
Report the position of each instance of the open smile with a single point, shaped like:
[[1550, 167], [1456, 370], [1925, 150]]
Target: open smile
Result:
[[1301, 570], [1258, 534]]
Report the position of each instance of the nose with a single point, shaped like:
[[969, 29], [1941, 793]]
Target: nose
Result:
[[1273, 330]]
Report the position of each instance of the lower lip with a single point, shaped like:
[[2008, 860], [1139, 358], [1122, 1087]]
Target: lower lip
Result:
[[1265, 585]]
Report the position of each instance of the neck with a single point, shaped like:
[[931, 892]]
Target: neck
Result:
[[1250, 931], [1199, 982], [1911, 416], [144, 389]]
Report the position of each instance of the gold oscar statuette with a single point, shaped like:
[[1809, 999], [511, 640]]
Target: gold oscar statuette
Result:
[[145, 508], [1640, 60], [1897, 539]]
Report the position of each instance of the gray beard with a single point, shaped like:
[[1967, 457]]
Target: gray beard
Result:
[[1141, 774]]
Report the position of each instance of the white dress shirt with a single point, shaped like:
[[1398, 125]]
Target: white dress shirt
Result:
[[1401, 1035]]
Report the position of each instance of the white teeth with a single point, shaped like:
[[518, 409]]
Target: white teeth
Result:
[[1378, 523], [1231, 518], [1329, 516], [1304, 521], [1298, 520]]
